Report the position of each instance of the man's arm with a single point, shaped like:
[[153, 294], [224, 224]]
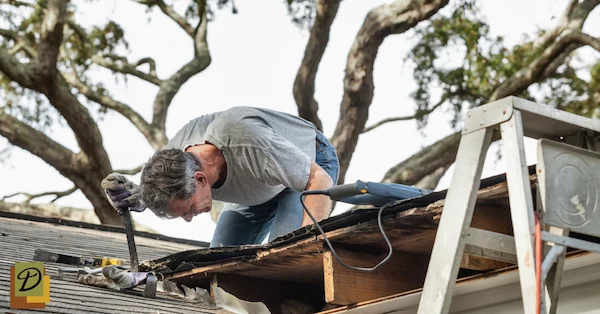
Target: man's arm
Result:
[[319, 206]]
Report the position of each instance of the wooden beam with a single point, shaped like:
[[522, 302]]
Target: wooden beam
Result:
[[490, 218], [346, 286]]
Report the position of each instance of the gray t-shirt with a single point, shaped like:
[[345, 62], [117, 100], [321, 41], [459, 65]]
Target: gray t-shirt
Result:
[[265, 150]]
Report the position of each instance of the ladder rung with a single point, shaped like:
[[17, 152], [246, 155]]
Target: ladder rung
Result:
[[491, 245], [571, 242]]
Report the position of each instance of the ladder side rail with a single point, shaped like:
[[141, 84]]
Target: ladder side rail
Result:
[[455, 221], [521, 207]]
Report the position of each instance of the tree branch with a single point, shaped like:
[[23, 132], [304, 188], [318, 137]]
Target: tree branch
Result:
[[117, 63], [50, 39], [414, 116], [559, 60], [21, 41], [384, 20], [563, 23], [123, 109], [304, 84], [536, 69], [170, 12], [430, 181], [151, 64], [34, 141], [123, 66], [131, 171], [17, 3], [14, 70], [29, 197], [583, 39], [171, 86], [438, 155], [15, 49]]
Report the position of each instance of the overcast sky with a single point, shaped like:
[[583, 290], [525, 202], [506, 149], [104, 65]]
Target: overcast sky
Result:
[[255, 57]]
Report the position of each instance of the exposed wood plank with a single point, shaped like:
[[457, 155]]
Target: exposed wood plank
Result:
[[490, 218], [411, 231], [343, 285], [298, 262]]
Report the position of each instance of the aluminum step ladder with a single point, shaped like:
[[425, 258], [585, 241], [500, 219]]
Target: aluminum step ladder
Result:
[[568, 176]]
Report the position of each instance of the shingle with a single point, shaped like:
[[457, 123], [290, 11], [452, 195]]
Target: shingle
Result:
[[19, 239]]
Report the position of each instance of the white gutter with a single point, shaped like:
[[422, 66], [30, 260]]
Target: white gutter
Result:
[[477, 293]]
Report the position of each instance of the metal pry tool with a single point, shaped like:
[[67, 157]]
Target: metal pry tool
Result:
[[130, 239]]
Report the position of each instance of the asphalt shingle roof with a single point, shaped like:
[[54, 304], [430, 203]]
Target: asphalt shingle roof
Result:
[[19, 239]]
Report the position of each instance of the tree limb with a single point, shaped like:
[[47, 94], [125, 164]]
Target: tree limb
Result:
[[532, 73], [51, 37], [131, 171], [384, 20], [550, 36], [16, 71], [430, 181], [17, 3], [438, 155], [171, 86], [573, 18], [117, 63], [15, 49], [59, 94], [414, 116], [21, 41], [559, 60], [29, 197], [151, 64], [107, 102], [304, 84], [170, 12], [123, 66], [34, 141]]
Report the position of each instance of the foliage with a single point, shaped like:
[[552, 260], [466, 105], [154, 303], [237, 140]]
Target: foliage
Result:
[[302, 12], [486, 63], [26, 105]]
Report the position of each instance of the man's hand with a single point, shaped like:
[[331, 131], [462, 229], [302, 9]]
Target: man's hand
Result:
[[319, 206], [122, 193]]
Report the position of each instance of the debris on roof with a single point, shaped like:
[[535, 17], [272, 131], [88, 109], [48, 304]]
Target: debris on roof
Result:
[[21, 235]]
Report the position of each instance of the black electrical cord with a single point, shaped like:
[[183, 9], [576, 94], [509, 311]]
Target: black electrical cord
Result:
[[381, 209]]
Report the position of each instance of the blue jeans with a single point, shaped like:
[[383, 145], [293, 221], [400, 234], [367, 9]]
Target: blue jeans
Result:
[[278, 216]]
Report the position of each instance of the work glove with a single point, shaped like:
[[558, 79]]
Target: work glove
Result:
[[122, 193], [122, 278]]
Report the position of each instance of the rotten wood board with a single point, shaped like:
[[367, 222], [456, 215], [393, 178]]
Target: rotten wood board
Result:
[[343, 285]]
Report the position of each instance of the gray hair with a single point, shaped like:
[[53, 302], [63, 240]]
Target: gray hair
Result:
[[168, 174]]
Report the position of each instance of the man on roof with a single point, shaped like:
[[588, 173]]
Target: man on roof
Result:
[[256, 160]]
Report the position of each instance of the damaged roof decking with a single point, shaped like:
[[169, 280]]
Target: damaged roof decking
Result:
[[301, 256], [19, 239]]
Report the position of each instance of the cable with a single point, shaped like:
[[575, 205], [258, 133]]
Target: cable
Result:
[[381, 209], [538, 265]]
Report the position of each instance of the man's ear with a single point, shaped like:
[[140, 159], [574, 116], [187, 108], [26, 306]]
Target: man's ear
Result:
[[200, 177]]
